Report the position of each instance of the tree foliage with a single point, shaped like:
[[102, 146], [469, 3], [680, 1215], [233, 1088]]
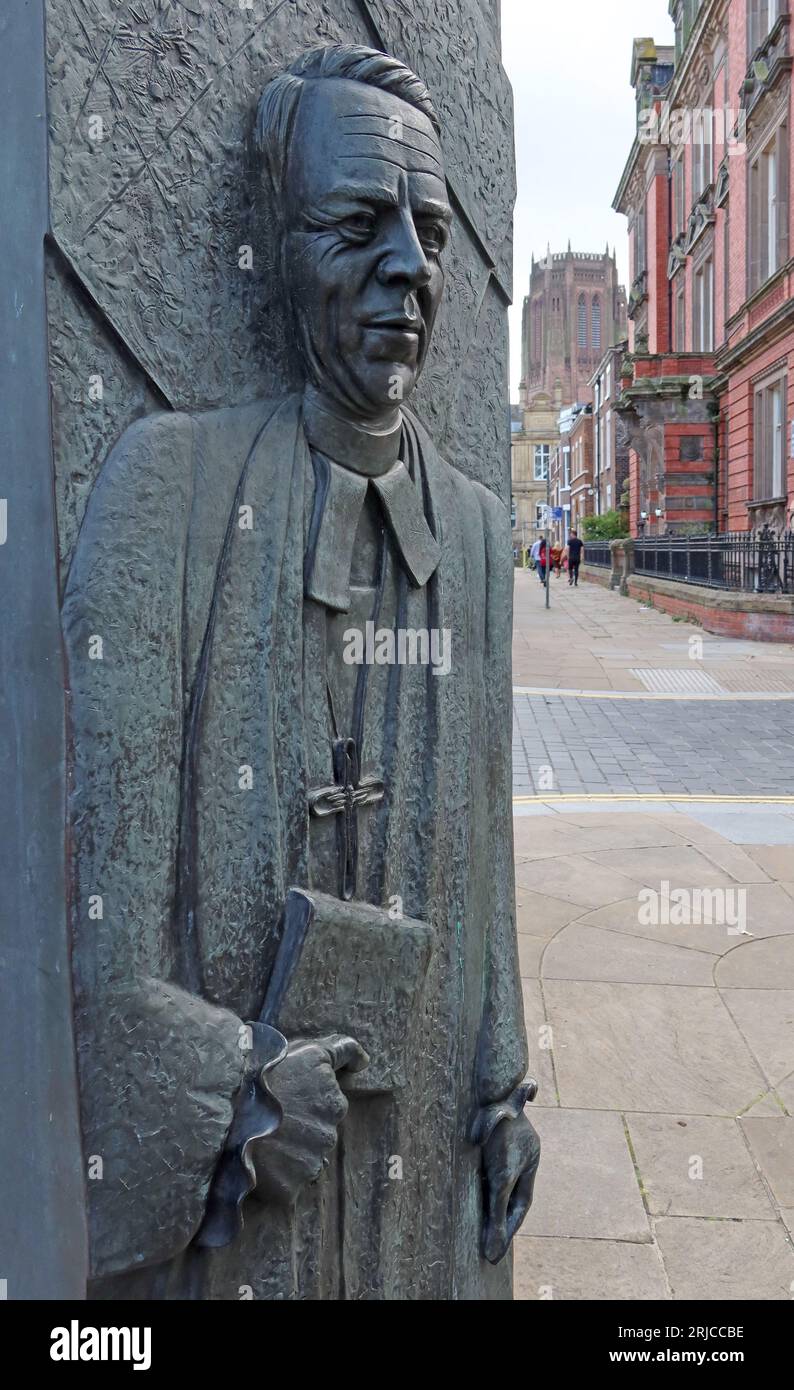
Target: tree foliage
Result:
[[609, 526]]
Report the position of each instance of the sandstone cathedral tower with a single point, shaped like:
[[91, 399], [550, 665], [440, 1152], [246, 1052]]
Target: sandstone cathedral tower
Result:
[[574, 311]]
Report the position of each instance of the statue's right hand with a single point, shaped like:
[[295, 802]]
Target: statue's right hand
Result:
[[307, 1088]]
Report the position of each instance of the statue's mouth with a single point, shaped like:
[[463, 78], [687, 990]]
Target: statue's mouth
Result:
[[395, 323]]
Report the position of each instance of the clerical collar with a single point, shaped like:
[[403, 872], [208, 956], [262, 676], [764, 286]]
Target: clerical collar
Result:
[[369, 452], [340, 490]]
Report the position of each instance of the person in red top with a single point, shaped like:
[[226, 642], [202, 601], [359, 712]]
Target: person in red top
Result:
[[542, 561]]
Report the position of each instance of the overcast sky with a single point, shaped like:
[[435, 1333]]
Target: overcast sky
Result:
[[570, 64]]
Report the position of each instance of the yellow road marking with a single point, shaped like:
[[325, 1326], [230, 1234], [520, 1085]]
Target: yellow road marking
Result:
[[654, 797], [727, 696]]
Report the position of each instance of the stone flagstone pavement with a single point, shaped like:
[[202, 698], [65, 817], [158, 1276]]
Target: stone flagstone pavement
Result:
[[664, 1052]]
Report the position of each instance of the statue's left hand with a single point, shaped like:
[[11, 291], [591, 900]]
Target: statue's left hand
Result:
[[510, 1157]]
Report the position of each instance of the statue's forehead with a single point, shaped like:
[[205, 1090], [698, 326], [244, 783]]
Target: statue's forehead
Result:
[[342, 124]]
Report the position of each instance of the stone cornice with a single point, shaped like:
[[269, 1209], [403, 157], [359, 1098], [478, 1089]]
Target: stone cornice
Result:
[[772, 327], [709, 26], [770, 62], [759, 294], [662, 387], [626, 178]]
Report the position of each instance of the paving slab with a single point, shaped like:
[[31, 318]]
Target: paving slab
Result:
[[586, 1184], [769, 1105], [765, 964], [697, 1165], [766, 1019], [580, 952], [734, 860], [540, 1054], [664, 1048], [776, 860], [629, 832], [784, 1089], [616, 821], [587, 1270], [692, 830], [680, 866], [530, 951], [575, 879], [764, 908], [539, 915], [733, 1260], [541, 839], [772, 1143], [770, 828]]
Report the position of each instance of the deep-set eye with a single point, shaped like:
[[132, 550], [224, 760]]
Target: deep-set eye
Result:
[[433, 236], [359, 225]]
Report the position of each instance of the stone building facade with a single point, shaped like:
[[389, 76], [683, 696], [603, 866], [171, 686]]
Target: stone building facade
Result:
[[580, 441], [708, 392], [610, 451], [532, 449], [572, 491]]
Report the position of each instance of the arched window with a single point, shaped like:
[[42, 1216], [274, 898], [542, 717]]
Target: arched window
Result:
[[582, 328], [595, 336]]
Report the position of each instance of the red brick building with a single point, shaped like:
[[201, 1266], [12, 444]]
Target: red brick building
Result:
[[572, 483], [582, 492], [708, 385]]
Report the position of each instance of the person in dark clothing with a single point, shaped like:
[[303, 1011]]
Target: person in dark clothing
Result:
[[575, 554]]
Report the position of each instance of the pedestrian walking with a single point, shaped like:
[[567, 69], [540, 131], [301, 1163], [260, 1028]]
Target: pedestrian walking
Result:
[[538, 554], [575, 557], [542, 560]]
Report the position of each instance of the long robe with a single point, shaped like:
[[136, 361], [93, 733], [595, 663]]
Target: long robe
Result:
[[192, 662]]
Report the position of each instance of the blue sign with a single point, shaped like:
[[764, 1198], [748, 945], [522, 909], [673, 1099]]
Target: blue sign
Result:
[[557, 513]]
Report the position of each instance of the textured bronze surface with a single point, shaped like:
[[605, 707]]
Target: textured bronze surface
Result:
[[258, 264]]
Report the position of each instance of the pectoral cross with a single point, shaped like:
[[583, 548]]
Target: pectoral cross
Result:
[[349, 792]]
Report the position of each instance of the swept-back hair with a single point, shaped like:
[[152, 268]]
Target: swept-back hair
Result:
[[278, 105]]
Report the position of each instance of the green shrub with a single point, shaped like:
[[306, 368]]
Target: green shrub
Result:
[[609, 526]]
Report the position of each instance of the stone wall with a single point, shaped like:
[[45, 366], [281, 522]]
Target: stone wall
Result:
[[751, 617]]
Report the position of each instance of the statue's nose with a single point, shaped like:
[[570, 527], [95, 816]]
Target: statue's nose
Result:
[[405, 260]]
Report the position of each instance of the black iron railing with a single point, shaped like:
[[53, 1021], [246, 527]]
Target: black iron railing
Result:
[[751, 561], [598, 553]]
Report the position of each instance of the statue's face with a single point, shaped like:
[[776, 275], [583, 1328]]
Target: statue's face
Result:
[[367, 220]]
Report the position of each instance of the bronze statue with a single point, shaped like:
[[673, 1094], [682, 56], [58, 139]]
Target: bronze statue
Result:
[[298, 1004]]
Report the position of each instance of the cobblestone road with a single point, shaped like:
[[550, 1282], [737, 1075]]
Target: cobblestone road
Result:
[[673, 747], [601, 740]]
